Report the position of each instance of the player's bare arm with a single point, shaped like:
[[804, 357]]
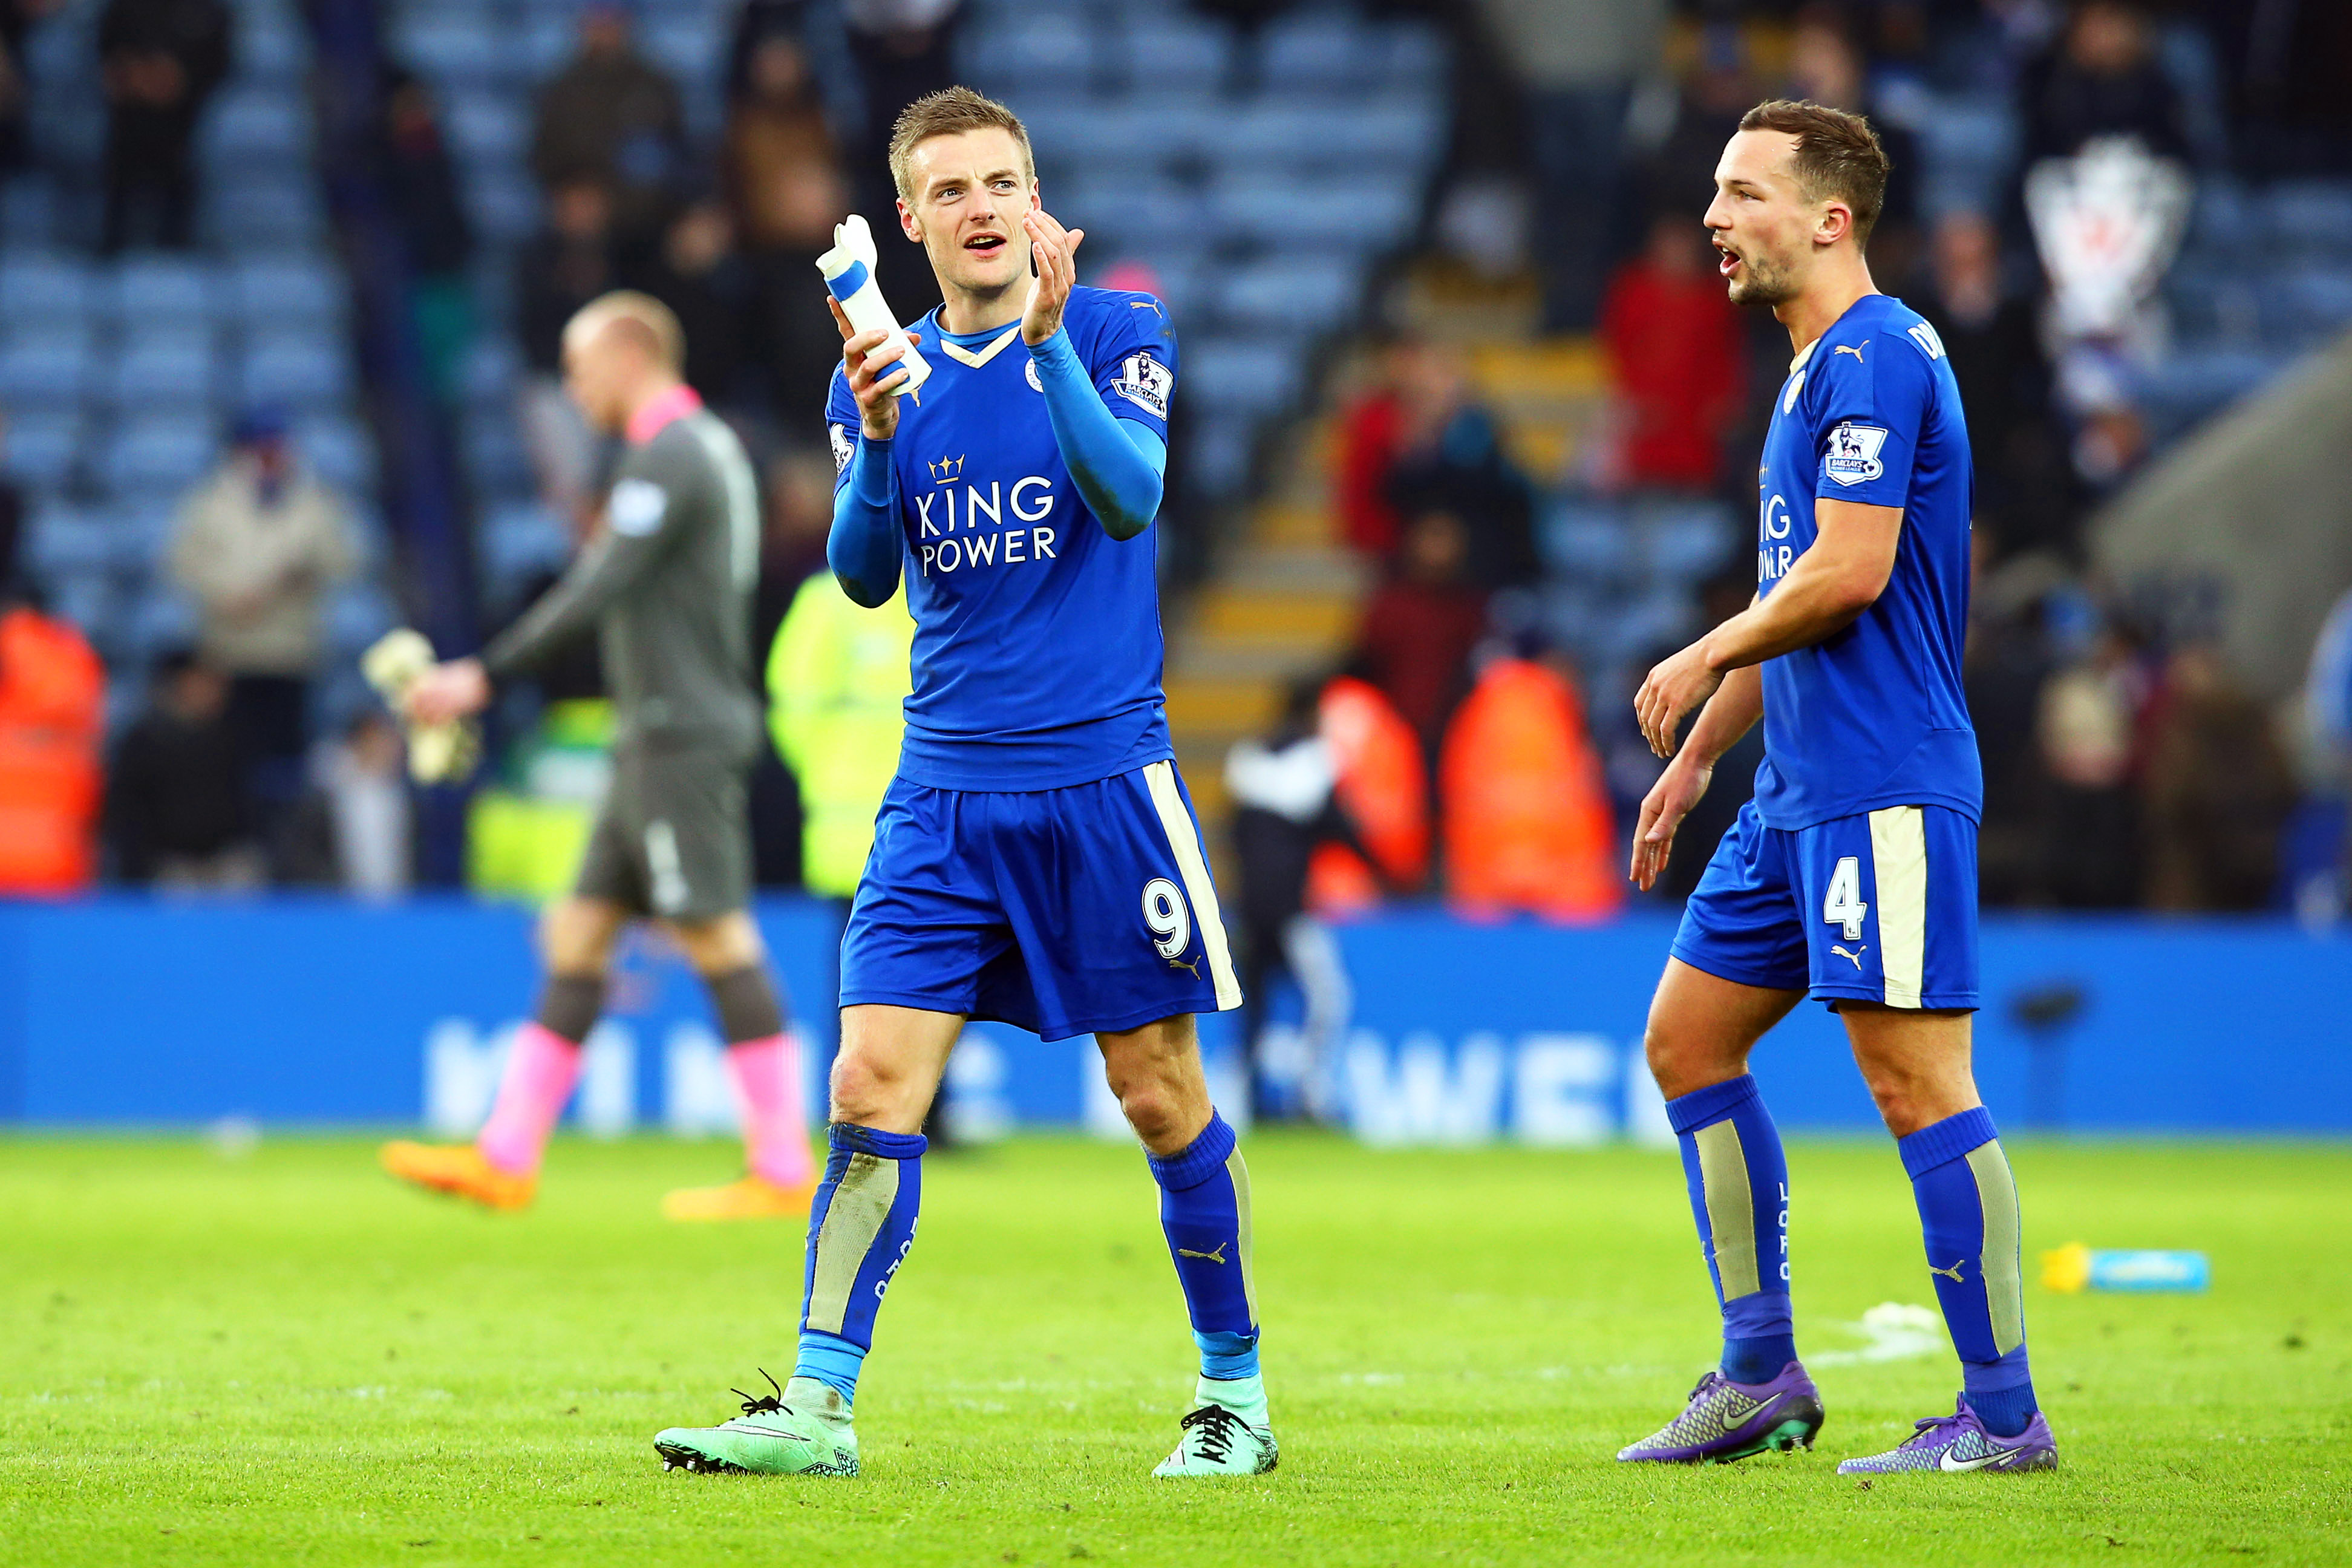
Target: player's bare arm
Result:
[[1837, 579], [1731, 713], [867, 359]]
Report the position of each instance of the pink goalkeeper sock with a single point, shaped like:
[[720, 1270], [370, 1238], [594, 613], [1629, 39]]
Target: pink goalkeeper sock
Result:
[[540, 1071], [767, 1075]]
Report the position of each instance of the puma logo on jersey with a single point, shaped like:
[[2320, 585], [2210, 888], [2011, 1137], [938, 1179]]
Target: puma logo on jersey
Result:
[[1952, 1274], [1842, 952], [1849, 349], [1192, 968], [1217, 1257]]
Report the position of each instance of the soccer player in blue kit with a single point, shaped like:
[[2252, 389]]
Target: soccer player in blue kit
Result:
[[1037, 859], [1852, 875]]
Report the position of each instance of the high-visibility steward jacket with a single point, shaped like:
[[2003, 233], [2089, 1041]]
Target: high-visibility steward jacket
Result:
[[1528, 824], [52, 723], [1384, 790], [837, 686]]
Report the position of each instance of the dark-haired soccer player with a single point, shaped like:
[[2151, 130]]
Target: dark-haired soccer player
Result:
[[1852, 875], [1036, 861]]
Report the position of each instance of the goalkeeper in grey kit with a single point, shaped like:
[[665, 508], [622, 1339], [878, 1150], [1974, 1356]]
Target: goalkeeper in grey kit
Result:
[[667, 584]]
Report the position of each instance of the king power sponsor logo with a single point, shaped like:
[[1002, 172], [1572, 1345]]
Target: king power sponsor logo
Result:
[[1554, 1090]]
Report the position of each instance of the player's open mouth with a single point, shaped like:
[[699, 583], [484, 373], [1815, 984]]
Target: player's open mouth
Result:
[[986, 244], [1728, 259]]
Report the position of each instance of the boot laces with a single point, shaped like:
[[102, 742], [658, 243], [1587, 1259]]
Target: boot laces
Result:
[[764, 1403], [1218, 1430]]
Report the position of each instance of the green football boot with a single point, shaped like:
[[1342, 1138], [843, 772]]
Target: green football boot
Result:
[[1228, 1434], [808, 1437]]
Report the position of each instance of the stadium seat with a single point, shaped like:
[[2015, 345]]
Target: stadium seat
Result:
[[162, 369], [1317, 50], [262, 214], [455, 44], [495, 457], [92, 602], [1683, 544], [689, 47], [45, 370], [271, 46], [1586, 545], [1243, 374], [48, 292], [492, 368], [1376, 213], [1053, 53], [505, 207], [358, 614], [66, 541], [42, 447], [157, 453], [254, 127], [160, 291], [161, 619], [306, 371], [1295, 294], [339, 451], [289, 289], [518, 542], [2312, 215], [487, 127], [1173, 55]]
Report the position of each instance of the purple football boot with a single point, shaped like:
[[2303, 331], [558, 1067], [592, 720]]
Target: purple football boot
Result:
[[1726, 1420], [1959, 1442]]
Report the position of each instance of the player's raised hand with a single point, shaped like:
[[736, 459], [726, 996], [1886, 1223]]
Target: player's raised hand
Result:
[[1055, 250], [1673, 689], [447, 691], [868, 361], [1663, 809]]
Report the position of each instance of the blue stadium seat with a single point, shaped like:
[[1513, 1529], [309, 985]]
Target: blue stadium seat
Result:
[[48, 292], [1586, 545], [689, 47], [1410, 55], [305, 371], [1174, 54], [357, 613], [505, 206], [487, 127], [158, 454], [452, 44], [67, 541], [46, 371], [2312, 215], [286, 289], [1318, 50], [161, 619], [92, 602], [496, 459], [538, 49], [339, 451], [172, 292], [1219, 462], [493, 367], [518, 542], [1375, 213], [42, 447], [161, 368], [256, 127], [1297, 293], [1683, 544], [2316, 301], [1053, 53], [1245, 376], [267, 214], [271, 46], [1141, 213]]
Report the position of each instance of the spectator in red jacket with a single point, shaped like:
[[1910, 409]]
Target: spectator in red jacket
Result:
[[1422, 624], [1677, 361]]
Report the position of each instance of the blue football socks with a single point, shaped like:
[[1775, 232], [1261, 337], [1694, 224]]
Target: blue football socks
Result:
[[1967, 1211], [860, 1229], [1739, 1182], [1204, 1207]]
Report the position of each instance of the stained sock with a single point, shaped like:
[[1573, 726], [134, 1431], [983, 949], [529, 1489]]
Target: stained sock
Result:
[[1967, 1215], [860, 1229], [767, 1075], [1205, 1208], [1739, 1182], [541, 1070]]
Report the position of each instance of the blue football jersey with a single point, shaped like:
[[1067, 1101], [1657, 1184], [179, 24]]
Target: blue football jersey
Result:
[[1038, 651], [1876, 715]]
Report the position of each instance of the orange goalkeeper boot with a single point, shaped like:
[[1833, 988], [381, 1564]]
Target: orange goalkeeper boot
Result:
[[753, 1197], [459, 1168]]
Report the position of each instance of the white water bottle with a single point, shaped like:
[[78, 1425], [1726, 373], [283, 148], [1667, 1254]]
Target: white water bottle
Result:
[[849, 270]]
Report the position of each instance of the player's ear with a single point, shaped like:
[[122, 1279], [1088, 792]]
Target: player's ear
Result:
[[1835, 224], [908, 225]]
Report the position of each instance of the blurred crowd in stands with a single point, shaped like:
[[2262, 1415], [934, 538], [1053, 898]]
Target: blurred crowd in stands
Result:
[[2066, 177]]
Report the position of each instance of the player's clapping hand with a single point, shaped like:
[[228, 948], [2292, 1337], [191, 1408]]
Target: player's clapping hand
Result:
[[1663, 809], [447, 691], [1054, 249], [872, 374], [1673, 689]]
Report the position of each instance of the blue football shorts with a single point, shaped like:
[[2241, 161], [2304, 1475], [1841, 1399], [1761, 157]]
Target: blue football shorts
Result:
[[1876, 908], [1063, 911]]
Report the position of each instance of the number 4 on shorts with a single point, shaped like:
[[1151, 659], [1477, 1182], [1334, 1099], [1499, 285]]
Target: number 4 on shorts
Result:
[[1843, 905]]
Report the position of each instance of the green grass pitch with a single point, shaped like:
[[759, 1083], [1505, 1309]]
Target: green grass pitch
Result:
[[284, 1358]]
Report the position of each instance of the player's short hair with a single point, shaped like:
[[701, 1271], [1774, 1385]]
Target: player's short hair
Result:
[[951, 111], [1837, 155], [651, 325]]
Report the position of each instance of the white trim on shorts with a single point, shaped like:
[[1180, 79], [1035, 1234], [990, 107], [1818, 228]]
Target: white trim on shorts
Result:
[[1898, 858], [1192, 866]]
